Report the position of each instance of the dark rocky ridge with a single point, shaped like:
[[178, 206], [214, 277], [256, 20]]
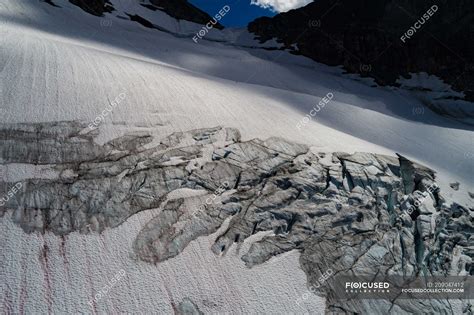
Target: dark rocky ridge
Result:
[[183, 10], [95, 7], [364, 37], [347, 212], [179, 9]]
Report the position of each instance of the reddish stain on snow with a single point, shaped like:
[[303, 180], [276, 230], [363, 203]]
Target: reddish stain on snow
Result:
[[23, 292], [62, 252], [89, 275], [43, 258], [7, 304]]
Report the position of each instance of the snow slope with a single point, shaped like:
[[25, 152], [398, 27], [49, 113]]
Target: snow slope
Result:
[[63, 58], [64, 64]]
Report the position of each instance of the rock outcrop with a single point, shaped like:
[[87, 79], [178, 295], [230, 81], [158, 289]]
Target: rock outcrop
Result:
[[183, 10], [365, 37], [95, 7], [356, 214], [179, 9]]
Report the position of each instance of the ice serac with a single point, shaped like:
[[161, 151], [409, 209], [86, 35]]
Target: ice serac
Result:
[[98, 186], [354, 214]]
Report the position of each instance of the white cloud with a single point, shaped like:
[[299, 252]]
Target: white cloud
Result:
[[280, 5]]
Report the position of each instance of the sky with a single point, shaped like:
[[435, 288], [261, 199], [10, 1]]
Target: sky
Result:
[[242, 11]]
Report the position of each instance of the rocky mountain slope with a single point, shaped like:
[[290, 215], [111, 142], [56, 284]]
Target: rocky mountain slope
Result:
[[95, 7], [365, 37], [183, 10], [179, 9]]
